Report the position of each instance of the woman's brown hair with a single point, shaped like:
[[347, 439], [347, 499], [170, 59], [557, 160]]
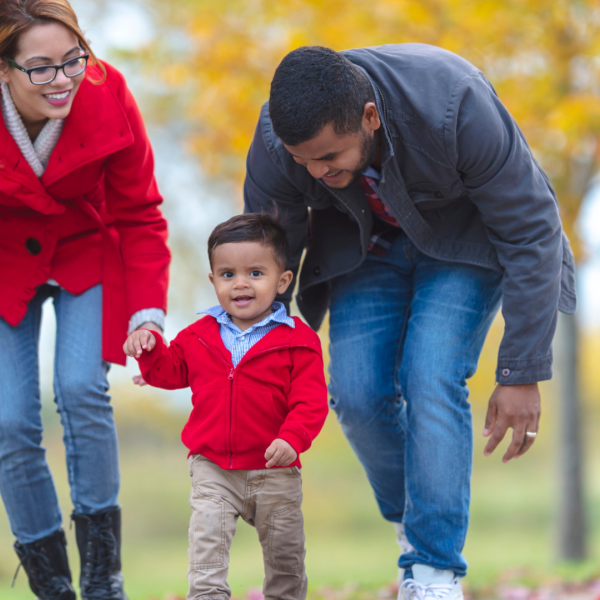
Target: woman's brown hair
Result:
[[17, 16]]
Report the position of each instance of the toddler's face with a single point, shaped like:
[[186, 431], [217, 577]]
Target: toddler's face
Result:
[[247, 278]]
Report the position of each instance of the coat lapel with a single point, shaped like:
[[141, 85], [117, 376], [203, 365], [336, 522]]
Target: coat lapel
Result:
[[96, 127]]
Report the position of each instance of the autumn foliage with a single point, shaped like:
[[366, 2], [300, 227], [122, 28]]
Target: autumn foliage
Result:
[[543, 57]]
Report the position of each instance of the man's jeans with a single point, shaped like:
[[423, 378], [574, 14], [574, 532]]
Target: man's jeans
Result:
[[80, 387], [406, 332]]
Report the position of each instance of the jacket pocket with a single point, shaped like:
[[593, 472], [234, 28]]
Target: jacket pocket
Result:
[[256, 421], [567, 302], [207, 425], [432, 197]]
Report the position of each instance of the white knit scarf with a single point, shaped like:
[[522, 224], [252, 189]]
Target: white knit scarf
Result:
[[37, 154]]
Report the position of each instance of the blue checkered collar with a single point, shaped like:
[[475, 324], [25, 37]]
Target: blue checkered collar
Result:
[[279, 315]]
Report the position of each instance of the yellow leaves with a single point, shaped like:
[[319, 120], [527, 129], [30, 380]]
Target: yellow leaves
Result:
[[541, 55], [175, 75], [577, 115]]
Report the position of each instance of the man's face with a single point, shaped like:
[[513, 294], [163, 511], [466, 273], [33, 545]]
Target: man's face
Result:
[[339, 159]]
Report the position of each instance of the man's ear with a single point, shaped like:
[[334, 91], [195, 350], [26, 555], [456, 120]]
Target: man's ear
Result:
[[371, 120], [284, 281]]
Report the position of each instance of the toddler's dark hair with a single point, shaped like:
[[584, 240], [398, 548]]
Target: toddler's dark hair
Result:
[[252, 227]]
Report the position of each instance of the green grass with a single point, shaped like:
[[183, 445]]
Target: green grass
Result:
[[512, 527]]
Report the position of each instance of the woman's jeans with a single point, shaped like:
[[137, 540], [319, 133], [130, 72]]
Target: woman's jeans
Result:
[[406, 332], [80, 387]]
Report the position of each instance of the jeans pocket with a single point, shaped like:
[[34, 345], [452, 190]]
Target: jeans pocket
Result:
[[207, 534], [192, 460]]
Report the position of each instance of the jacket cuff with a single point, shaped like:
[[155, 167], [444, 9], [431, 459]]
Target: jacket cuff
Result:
[[152, 315], [299, 442], [520, 372]]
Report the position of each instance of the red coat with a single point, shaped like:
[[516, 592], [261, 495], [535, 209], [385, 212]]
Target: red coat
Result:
[[91, 218], [277, 390]]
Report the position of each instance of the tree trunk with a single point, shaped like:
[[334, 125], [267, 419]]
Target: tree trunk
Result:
[[572, 515]]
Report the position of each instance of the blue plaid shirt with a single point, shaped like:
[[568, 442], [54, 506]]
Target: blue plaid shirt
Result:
[[238, 342]]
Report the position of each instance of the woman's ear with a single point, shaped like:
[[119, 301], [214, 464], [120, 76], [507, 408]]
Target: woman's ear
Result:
[[284, 281], [4, 71]]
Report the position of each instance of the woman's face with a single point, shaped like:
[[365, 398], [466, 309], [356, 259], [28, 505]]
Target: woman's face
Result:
[[47, 44]]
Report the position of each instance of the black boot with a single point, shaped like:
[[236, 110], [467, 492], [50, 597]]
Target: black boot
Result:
[[99, 543], [46, 564]]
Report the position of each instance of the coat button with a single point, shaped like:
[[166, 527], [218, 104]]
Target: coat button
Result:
[[33, 246], [505, 372], [438, 194], [317, 271]]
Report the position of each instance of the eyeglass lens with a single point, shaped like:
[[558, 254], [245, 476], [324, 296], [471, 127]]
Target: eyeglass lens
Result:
[[71, 69]]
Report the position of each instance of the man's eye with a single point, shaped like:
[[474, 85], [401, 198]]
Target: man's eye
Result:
[[256, 273]]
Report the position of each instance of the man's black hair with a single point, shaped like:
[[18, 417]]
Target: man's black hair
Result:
[[253, 227], [314, 86]]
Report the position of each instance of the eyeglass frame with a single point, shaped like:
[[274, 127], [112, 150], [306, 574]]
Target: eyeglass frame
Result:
[[56, 68]]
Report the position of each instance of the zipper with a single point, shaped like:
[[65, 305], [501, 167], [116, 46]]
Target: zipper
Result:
[[231, 416], [230, 377]]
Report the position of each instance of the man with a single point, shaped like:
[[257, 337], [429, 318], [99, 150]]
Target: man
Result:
[[422, 209]]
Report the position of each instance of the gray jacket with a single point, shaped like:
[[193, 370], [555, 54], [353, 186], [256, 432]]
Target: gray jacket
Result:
[[459, 177]]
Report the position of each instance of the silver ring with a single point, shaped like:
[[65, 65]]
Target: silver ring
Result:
[[531, 434]]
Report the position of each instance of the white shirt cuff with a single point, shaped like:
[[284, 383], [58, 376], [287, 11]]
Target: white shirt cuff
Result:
[[153, 315]]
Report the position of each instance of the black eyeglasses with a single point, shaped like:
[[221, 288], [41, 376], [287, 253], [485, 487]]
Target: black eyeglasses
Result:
[[47, 74]]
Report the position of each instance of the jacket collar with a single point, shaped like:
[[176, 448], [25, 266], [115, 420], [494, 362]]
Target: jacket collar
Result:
[[278, 314], [96, 126], [208, 330]]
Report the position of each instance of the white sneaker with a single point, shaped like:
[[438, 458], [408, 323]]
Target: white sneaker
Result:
[[405, 546], [431, 584]]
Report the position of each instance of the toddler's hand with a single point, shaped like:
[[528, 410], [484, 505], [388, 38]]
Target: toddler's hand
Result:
[[280, 454], [139, 341], [138, 380]]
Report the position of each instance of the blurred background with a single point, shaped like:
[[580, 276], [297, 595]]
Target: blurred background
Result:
[[201, 70]]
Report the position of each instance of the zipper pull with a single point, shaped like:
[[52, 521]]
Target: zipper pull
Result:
[[231, 374]]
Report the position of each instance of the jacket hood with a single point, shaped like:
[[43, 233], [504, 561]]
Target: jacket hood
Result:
[[208, 330]]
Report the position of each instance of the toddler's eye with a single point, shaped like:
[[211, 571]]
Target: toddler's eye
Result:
[[256, 273], [228, 274]]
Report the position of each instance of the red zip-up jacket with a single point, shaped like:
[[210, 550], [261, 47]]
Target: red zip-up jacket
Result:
[[277, 390]]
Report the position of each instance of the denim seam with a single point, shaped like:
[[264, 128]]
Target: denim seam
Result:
[[67, 426]]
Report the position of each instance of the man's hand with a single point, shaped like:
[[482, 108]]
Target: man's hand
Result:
[[139, 341], [280, 454], [515, 406]]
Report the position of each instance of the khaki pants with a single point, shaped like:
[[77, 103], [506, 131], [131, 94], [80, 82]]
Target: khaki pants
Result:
[[268, 499]]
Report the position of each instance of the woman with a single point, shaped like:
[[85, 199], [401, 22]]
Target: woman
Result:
[[79, 223]]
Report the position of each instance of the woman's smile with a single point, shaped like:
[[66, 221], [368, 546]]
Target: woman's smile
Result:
[[58, 98]]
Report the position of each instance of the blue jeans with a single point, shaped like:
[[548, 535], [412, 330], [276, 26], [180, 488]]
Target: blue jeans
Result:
[[80, 387], [406, 332]]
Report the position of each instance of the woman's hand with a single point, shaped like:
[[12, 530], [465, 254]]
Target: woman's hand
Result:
[[138, 341], [280, 454]]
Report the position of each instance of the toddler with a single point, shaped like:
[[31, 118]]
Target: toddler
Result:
[[258, 400]]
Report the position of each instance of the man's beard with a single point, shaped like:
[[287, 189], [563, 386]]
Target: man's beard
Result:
[[368, 149]]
